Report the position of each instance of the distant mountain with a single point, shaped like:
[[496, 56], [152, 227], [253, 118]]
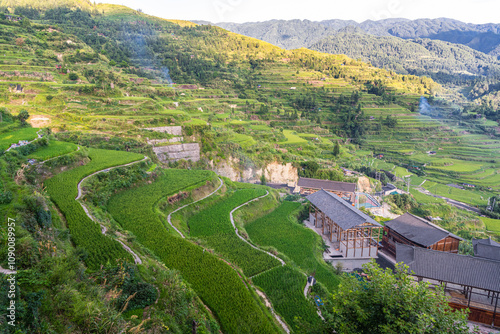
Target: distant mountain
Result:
[[296, 33], [441, 48], [292, 34], [416, 56]]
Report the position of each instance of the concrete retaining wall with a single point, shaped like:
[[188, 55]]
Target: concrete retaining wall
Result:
[[173, 130], [178, 152]]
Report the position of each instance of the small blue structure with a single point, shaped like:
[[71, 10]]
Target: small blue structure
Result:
[[318, 301]]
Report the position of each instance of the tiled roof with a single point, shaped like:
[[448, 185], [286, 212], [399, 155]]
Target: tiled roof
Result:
[[453, 268], [486, 248], [338, 210], [418, 230], [305, 182]]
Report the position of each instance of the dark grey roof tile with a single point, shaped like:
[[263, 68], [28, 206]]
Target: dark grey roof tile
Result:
[[305, 182], [418, 230], [338, 210], [454, 268]]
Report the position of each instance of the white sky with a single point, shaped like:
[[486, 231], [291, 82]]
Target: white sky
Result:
[[471, 11]]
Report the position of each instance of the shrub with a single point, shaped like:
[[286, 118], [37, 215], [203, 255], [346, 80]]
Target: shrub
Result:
[[6, 197]]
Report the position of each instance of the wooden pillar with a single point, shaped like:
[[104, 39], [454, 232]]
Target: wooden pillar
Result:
[[364, 233], [470, 295], [347, 243], [354, 241], [315, 217], [330, 227], [495, 311], [370, 243]]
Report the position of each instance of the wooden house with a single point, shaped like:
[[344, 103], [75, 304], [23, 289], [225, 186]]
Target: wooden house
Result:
[[415, 231], [354, 234], [470, 282], [345, 190]]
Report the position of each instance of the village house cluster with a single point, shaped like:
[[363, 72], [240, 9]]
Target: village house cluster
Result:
[[353, 238]]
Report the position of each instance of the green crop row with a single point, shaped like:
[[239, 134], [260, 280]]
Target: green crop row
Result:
[[217, 284], [467, 196], [491, 224], [301, 245], [63, 189], [284, 286], [54, 149], [214, 226]]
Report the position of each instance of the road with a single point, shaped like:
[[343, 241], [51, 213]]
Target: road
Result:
[[457, 204]]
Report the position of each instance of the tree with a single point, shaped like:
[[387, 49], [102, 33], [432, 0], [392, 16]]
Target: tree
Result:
[[23, 116], [263, 180], [393, 303], [73, 76], [336, 149]]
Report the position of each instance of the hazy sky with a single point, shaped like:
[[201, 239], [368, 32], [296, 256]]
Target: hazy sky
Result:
[[473, 11]]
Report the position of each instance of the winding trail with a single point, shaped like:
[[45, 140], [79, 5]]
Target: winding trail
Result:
[[38, 136], [245, 240], [169, 218], [137, 259], [103, 171], [260, 293], [306, 290], [270, 306], [62, 155]]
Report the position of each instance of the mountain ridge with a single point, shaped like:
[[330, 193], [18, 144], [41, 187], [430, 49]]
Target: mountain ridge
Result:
[[481, 37]]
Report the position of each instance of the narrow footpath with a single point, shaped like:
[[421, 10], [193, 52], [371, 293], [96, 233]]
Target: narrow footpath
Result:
[[137, 259], [245, 240], [169, 218], [260, 293]]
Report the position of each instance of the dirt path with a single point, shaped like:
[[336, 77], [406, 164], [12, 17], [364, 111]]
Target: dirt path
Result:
[[245, 240], [62, 155], [137, 259], [169, 218], [6, 271], [270, 306], [38, 136], [103, 171], [260, 293]]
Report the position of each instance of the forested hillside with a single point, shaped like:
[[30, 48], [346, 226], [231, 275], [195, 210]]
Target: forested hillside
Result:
[[482, 37], [451, 52]]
